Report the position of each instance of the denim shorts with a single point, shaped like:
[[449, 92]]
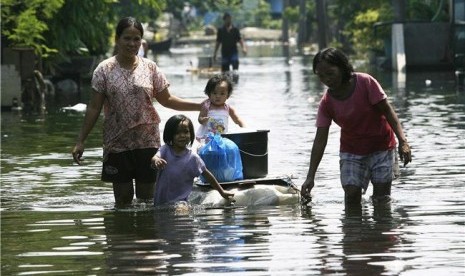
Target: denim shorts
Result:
[[228, 60], [380, 168], [125, 166]]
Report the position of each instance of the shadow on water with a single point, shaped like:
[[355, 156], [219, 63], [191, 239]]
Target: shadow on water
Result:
[[57, 217]]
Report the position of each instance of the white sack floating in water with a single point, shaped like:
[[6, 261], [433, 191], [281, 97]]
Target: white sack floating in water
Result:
[[80, 107], [252, 195]]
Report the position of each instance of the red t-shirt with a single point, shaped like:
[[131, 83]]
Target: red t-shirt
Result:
[[363, 129]]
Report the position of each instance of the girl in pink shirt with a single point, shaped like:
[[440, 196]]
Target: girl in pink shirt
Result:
[[358, 104]]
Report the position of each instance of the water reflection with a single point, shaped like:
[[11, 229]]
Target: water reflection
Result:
[[166, 241], [368, 239], [50, 243], [147, 242]]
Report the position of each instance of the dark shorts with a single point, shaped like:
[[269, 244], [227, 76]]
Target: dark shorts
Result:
[[128, 165], [228, 60]]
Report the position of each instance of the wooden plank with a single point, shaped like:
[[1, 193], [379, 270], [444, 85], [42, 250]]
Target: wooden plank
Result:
[[283, 181]]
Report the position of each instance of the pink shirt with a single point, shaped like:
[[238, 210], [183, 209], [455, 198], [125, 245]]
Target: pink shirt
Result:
[[363, 129], [131, 121]]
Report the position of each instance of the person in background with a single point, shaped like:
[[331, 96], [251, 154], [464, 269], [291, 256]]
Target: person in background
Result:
[[228, 36], [143, 49], [33, 94], [125, 86], [357, 103], [215, 112], [178, 165]]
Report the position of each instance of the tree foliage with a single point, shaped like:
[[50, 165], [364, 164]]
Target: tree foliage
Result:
[[81, 27], [25, 22], [58, 29], [143, 10]]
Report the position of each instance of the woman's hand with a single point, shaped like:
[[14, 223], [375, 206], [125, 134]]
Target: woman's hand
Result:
[[93, 110], [405, 152], [77, 152], [308, 185]]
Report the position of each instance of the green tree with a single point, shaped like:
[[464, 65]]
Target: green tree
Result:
[[84, 27], [353, 22], [60, 29], [362, 35], [24, 24], [81, 27]]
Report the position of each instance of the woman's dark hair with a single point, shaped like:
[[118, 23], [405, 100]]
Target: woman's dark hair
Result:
[[337, 58], [171, 128], [217, 79], [128, 22]]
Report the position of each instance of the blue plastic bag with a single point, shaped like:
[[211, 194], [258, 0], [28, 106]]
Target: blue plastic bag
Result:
[[222, 158]]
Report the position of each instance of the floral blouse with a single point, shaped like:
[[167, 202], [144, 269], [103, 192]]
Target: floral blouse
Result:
[[130, 119]]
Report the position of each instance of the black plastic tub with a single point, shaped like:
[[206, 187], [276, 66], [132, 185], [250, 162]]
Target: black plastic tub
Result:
[[254, 152]]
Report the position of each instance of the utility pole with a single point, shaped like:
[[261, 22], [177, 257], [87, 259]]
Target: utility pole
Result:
[[302, 36], [285, 31], [285, 23], [398, 6], [399, 60], [321, 22]]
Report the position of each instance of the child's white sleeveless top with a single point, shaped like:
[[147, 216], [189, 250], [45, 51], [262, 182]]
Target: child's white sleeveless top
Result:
[[218, 122]]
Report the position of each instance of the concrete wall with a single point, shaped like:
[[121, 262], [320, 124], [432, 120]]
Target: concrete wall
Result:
[[10, 85], [428, 45], [17, 66]]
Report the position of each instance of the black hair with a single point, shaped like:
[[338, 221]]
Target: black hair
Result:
[[171, 128], [128, 22], [217, 79], [226, 15], [337, 58]]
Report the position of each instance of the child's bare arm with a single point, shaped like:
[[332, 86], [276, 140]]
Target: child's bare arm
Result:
[[235, 117], [212, 180]]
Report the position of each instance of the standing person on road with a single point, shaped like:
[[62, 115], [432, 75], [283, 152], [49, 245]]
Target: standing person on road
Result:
[[125, 86], [357, 103], [228, 36]]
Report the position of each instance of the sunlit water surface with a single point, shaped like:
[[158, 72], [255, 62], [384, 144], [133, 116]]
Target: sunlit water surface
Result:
[[58, 218]]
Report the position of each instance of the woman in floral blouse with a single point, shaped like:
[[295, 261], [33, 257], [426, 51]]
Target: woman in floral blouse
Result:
[[125, 85]]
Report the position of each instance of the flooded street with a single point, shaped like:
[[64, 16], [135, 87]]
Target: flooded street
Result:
[[58, 218]]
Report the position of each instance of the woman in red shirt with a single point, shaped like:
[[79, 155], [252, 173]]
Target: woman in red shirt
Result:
[[357, 103]]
